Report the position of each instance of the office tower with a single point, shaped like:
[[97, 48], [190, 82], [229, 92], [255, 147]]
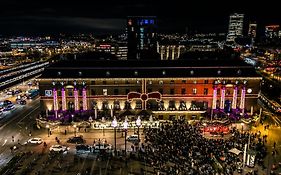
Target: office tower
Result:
[[235, 28], [141, 31]]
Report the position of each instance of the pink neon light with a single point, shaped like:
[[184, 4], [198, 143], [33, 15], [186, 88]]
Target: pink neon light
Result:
[[63, 98], [214, 98], [76, 106], [84, 94], [55, 96], [222, 98], [243, 94], [234, 98]]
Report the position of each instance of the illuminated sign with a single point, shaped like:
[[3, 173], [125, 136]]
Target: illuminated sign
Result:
[[48, 93]]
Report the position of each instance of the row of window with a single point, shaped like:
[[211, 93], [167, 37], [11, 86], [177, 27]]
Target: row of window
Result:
[[148, 82], [172, 91]]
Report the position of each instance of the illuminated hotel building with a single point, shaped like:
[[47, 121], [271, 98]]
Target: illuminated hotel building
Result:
[[141, 32], [235, 28], [170, 52], [163, 87]]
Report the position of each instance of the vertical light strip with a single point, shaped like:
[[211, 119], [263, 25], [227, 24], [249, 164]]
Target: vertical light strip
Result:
[[222, 98], [63, 98], [84, 94], [234, 98], [55, 100], [76, 100], [242, 101], [214, 106]]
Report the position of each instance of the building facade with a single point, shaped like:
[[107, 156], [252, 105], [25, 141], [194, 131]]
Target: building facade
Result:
[[165, 87], [235, 28]]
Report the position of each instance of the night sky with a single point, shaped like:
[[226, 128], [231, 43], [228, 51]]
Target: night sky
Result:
[[65, 16]]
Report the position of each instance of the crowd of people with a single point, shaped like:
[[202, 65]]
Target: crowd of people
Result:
[[181, 148]]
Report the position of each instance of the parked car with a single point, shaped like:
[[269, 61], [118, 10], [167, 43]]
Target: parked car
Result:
[[133, 138], [35, 141], [58, 148], [102, 146], [77, 140], [81, 149]]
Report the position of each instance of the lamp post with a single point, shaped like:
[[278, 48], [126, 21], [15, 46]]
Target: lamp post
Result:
[[125, 126], [138, 123], [242, 124], [74, 130], [114, 125], [48, 127]]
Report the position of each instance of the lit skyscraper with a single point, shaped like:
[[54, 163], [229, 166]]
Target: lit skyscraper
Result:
[[141, 32], [235, 28], [272, 31]]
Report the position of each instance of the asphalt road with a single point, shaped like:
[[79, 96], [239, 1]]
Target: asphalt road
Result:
[[16, 123]]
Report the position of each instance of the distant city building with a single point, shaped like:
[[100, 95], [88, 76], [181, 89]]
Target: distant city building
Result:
[[252, 32], [272, 31], [170, 52], [141, 31], [120, 49], [235, 28]]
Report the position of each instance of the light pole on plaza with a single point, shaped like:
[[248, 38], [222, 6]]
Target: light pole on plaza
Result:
[[48, 127], [125, 126], [138, 123], [242, 124], [114, 125], [74, 130], [204, 124]]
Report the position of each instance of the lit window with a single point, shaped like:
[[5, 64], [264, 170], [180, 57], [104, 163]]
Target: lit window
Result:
[[194, 91], [104, 91]]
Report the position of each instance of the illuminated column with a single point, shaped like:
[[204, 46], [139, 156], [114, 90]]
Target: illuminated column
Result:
[[234, 97], [63, 99], [167, 52], [76, 100], [214, 105], [84, 94], [173, 52], [55, 100], [222, 98], [242, 101]]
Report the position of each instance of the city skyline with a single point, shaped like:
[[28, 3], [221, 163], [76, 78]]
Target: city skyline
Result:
[[31, 17]]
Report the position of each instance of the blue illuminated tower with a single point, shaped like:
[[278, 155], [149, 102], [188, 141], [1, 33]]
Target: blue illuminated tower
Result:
[[141, 31]]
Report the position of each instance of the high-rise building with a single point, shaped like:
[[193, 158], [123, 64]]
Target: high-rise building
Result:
[[142, 35], [235, 28], [272, 31], [252, 32]]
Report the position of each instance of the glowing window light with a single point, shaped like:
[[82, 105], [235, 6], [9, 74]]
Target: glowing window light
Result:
[[234, 98], [84, 94], [63, 98], [76, 106], [55, 96]]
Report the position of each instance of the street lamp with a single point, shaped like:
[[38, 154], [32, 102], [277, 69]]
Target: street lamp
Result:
[[114, 125], [125, 126], [138, 123], [242, 124], [74, 130], [48, 127]]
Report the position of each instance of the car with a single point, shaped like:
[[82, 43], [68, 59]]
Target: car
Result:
[[77, 140], [9, 107], [35, 141], [58, 148], [133, 138], [81, 149], [22, 102], [102, 146]]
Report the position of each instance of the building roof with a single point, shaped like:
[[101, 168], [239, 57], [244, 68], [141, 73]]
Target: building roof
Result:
[[148, 69]]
